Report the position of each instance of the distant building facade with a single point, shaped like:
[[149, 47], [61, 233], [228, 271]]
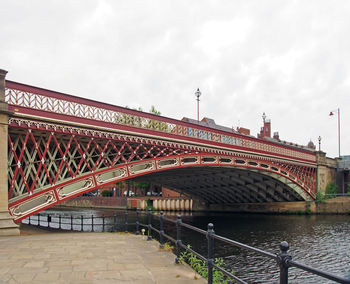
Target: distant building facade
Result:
[[343, 175]]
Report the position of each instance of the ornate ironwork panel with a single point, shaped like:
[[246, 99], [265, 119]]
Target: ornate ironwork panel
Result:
[[50, 102]]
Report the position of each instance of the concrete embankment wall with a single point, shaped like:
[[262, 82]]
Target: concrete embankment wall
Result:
[[95, 202], [340, 205], [167, 204]]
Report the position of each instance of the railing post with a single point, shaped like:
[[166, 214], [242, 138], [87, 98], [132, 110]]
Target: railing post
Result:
[[81, 223], [29, 220], [38, 219], [126, 221], [210, 238], [137, 222], [149, 225], [59, 221], [161, 230], [92, 223], [48, 220], [103, 222], [178, 239], [115, 222], [71, 222], [283, 258]]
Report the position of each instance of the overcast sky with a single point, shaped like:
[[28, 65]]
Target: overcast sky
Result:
[[289, 59]]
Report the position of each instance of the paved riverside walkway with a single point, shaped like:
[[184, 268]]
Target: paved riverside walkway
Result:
[[39, 256]]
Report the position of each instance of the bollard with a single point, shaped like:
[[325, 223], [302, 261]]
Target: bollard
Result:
[[92, 223], [48, 220], [103, 222], [29, 220], [81, 223], [114, 222], [38, 219], [210, 234], [126, 221], [161, 230], [178, 239], [71, 222], [149, 225], [137, 222], [283, 258], [59, 221]]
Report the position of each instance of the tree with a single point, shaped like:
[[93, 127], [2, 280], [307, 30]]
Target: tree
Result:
[[154, 111], [155, 124], [107, 193], [128, 119], [134, 120], [331, 190]]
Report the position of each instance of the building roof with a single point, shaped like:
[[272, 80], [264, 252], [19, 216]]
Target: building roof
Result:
[[209, 122]]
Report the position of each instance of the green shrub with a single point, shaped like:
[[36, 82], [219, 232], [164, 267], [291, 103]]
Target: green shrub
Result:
[[348, 189], [168, 246], [331, 190], [308, 211], [320, 197], [107, 193], [201, 268]]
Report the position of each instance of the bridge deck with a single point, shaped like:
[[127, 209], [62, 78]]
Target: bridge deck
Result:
[[59, 257]]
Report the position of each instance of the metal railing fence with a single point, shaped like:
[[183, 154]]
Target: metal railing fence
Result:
[[117, 222]]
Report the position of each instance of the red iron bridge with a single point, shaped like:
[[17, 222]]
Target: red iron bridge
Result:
[[60, 146]]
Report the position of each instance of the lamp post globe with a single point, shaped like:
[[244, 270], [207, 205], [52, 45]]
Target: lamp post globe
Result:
[[198, 94]]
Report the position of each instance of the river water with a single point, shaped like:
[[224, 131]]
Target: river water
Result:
[[321, 241]]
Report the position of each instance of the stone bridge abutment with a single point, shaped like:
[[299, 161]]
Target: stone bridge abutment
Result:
[[7, 226]]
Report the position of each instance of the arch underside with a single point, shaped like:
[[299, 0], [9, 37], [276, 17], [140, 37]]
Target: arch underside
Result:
[[213, 184], [46, 168], [224, 185]]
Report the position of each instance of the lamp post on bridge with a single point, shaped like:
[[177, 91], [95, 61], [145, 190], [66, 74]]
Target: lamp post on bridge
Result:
[[319, 143], [198, 94], [333, 112]]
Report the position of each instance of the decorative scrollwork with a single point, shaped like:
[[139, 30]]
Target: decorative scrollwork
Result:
[[18, 96]]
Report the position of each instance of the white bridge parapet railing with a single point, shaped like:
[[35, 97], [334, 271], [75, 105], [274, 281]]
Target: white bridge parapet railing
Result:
[[38, 99]]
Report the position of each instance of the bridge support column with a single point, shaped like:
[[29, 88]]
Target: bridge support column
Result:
[[7, 226]]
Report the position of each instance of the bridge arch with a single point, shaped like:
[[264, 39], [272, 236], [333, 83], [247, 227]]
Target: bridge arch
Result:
[[243, 179]]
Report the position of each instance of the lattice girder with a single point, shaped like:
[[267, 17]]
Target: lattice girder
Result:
[[56, 157], [58, 166]]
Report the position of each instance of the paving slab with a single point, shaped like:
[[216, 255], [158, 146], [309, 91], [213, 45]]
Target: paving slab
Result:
[[39, 256]]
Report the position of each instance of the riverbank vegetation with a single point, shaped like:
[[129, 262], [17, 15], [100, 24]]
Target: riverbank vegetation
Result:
[[200, 267], [331, 192]]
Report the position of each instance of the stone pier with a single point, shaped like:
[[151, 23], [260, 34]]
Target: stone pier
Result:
[[7, 226]]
